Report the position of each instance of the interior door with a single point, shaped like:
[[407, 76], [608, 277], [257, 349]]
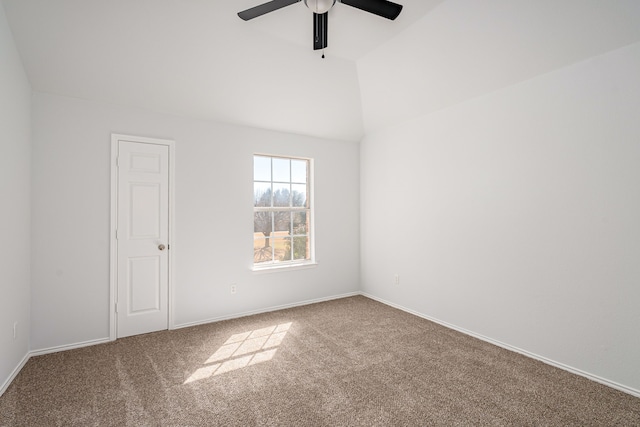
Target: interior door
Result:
[[142, 237]]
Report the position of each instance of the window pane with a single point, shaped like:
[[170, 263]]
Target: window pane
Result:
[[261, 194], [281, 172], [283, 221], [299, 171], [301, 248], [281, 195], [281, 250], [282, 210], [261, 168], [262, 223], [299, 195], [262, 252], [301, 222]]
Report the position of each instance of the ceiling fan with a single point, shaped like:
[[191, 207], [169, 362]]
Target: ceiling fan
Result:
[[320, 9]]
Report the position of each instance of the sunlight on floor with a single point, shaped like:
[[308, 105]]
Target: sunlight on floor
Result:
[[242, 350]]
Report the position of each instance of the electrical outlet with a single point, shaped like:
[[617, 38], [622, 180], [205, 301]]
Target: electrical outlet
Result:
[[396, 279], [233, 288], [15, 330]]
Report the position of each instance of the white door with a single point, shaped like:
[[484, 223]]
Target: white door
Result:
[[142, 238]]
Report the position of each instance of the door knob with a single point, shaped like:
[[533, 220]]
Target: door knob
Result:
[[161, 247]]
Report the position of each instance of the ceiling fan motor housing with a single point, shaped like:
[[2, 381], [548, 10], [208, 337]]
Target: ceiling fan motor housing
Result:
[[319, 6]]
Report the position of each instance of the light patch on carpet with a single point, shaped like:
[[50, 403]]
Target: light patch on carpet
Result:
[[242, 350]]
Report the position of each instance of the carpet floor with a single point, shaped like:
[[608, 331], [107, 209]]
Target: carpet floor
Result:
[[347, 362]]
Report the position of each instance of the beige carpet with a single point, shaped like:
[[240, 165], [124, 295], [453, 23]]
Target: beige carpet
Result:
[[349, 362]]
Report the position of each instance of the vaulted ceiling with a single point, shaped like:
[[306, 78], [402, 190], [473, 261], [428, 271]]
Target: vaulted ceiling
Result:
[[196, 58]]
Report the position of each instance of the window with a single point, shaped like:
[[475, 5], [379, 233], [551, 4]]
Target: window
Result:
[[281, 211]]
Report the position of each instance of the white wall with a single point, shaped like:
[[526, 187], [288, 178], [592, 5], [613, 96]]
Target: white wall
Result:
[[15, 171], [515, 215], [213, 246]]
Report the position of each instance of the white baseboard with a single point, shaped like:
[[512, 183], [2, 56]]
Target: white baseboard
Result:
[[59, 348], [40, 352], [592, 377], [56, 349], [596, 378], [15, 373], [264, 310]]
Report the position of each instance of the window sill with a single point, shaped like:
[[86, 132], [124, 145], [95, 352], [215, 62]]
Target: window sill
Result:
[[273, 268]]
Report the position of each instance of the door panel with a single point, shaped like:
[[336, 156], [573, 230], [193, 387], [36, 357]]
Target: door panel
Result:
[[144, 210], [144, 285], [142, 238]]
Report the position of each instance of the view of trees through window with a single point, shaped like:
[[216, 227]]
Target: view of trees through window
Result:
[[282, 212]]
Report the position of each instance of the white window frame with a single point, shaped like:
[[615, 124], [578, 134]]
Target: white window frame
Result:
[[290, 264]]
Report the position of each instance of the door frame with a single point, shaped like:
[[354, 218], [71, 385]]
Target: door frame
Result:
[[113, 261]]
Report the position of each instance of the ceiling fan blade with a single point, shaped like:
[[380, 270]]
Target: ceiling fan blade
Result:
[[383, 8], [320, 27], [260, 10]]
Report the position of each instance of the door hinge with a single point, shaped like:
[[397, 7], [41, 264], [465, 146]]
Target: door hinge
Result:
[[118, 161], [116, 234], [116, 307]]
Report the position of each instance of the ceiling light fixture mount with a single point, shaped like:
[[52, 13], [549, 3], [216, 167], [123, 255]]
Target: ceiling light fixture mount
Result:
[[319, 6]]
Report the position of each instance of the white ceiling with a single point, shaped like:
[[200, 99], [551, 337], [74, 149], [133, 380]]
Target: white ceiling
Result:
[[467, 48], [196, 58]]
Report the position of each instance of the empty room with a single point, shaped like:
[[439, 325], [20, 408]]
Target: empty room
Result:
[[319, 212]]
